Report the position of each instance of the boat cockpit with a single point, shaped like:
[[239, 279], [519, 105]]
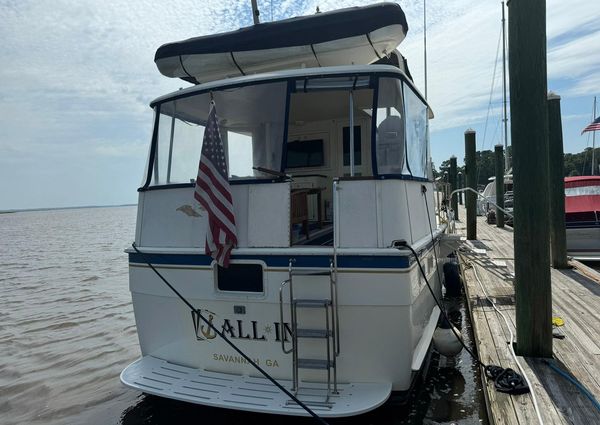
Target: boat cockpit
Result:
[[288, 136]]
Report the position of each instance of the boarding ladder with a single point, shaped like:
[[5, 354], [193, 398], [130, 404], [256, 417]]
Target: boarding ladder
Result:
[[328, 333]]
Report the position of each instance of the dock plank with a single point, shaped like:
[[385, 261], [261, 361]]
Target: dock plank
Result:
[[576, 299]]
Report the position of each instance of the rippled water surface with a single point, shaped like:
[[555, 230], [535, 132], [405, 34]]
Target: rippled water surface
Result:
[[67, 330]]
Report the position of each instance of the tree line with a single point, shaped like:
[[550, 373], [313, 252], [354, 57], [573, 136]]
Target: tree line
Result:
[[576, 164]]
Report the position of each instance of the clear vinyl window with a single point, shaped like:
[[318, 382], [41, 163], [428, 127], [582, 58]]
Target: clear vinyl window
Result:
[[390, 137], [416, 132], [401, 133], [252, 136]]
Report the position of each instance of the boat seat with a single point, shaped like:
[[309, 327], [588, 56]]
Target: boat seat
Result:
[[299, 210], [390, 145]]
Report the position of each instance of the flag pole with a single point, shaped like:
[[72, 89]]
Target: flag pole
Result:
[[594, 141]]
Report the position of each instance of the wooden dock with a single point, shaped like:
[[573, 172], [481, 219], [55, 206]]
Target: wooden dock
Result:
[[575, 299]]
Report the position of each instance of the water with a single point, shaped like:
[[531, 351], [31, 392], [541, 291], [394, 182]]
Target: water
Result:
[[67, 330]]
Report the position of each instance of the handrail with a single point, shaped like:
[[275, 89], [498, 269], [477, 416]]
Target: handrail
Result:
[[281, 317], [294, 319], [336, 241], [464, 189], [334, 302]]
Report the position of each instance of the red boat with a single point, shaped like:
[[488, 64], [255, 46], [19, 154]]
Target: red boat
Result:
[[582, 216]]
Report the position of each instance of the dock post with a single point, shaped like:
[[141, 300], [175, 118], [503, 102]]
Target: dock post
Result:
[[499, 151], [556, 169], [453, 186], [460, 186], [529, 133], [471, 171]]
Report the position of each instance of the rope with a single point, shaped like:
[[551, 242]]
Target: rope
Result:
[[511, 349], [505, 380], [228, 341]]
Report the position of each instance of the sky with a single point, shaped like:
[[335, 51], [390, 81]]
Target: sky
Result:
[[77, 77]]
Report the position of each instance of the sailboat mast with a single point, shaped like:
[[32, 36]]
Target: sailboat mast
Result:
[[594, 140], [505, 118]]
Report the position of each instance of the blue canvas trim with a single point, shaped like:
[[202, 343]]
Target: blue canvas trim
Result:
[[286, 123], [375, 81], [405, 133], [307, 261], [153, 148], [231, 182]]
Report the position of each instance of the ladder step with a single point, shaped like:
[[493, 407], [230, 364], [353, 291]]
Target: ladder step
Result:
[[309, 303], [312, 333], [314, 364], [311, 272]]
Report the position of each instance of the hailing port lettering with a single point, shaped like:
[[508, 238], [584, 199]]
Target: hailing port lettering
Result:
[[239, 329], [228, 358]]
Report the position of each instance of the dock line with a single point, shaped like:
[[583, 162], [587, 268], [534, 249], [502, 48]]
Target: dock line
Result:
[[510, 347], [505, 380]]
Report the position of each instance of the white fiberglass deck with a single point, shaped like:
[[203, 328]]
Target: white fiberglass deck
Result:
[[257, 394]]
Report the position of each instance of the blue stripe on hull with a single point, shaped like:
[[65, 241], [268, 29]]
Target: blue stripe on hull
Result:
[[344, 261]]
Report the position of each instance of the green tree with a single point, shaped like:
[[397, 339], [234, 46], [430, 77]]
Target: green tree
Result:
[[580, 164], [576, 164]]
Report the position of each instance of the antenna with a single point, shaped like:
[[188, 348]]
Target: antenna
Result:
[[255, 12], [425, 43]]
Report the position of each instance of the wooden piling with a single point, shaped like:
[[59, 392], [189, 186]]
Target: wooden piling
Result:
[[453, 186], [471, 171], [556, 181], [529, 132], [499, 153]]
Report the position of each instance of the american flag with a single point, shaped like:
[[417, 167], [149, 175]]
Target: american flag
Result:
[[595, 125], [213, 192]]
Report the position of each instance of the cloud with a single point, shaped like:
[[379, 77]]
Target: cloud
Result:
[[77, 77]]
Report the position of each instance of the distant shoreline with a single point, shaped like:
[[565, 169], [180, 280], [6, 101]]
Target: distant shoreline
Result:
[[65, 208]]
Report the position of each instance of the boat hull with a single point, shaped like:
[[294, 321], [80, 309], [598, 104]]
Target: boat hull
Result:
[[386, 321], [583, 243]]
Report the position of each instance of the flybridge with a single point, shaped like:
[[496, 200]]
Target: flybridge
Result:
[[352, 36]]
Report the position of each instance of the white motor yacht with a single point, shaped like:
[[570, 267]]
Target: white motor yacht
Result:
[[326, 143]]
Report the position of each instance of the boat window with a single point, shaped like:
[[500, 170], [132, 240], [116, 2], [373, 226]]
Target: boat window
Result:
[[582, 191], [390, 128], [416, 132], [240, 278], [305, 153], [323, 103], [251, 121], [344, 82], [178, 150]]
